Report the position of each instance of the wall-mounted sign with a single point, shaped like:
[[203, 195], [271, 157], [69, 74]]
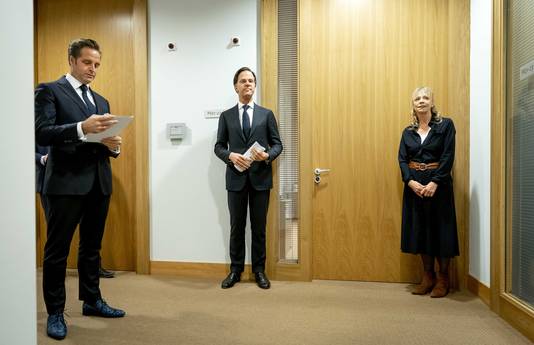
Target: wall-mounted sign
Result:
[[212, 114]]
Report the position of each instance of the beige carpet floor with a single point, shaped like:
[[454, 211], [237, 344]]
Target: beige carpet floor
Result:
[[168, 310]]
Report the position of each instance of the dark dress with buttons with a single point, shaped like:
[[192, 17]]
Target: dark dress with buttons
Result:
[[429, 224]]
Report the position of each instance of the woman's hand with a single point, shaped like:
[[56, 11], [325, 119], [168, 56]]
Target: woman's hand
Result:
[[429, 190], [416, 187]]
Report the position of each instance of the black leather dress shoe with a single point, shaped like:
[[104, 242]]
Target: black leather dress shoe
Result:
[[56, 327], [230, 281], [104, 273], [102, 309], [262, 281]]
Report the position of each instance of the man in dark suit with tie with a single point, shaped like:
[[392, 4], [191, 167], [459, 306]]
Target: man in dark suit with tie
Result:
[[77, 181], [248, 180]]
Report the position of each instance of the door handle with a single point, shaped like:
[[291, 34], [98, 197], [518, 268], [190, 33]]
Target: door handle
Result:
[[317, 172]]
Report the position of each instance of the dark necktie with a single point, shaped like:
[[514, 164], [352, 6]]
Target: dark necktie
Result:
[[90, 106], [246, 122]]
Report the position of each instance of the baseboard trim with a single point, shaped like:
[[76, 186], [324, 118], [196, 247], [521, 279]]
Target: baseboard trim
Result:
[[479, 289], [193, 269]]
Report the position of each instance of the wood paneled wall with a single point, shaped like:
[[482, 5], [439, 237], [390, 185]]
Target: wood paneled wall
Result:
[[120, 29]]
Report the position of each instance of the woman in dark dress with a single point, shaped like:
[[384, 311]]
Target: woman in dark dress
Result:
[[426, 156]]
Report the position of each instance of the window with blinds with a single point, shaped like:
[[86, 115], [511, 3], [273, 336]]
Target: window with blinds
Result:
[[520, 139], [288, 125]]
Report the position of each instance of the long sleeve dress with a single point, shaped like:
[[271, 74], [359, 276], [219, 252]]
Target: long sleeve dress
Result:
[[429, 223]]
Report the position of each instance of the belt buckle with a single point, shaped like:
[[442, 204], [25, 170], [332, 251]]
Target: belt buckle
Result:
[[422, 166]]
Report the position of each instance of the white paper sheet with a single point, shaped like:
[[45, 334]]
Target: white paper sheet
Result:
[[112, 131]]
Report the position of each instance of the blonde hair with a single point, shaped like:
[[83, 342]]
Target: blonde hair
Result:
[[436, 116]]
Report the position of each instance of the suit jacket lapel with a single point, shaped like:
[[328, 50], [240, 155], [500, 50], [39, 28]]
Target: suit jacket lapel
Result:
[[237, 124], [69, 91], [255, 118], [99, 103]]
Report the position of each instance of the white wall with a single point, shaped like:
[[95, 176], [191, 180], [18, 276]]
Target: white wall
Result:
[[189, 214], [480, 140], [17, 178]]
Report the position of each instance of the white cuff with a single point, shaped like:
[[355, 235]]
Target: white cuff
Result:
[[81, 136]]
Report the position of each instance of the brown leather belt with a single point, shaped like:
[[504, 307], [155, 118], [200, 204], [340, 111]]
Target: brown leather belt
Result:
[[423, 166]]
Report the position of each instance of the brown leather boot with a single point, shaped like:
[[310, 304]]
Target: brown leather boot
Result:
[[442, 286], [426, 285]]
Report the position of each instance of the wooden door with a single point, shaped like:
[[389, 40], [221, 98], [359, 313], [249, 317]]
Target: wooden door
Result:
[[359, 62], [111, 23]]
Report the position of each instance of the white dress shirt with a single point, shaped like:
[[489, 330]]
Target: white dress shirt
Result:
[[75, 83], [424, 135]]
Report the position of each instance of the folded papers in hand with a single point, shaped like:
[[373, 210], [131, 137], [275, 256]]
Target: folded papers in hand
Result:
[[248, 154]]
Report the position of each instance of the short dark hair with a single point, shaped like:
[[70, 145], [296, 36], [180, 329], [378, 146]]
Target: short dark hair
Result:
[[76, 46], [243, 69]]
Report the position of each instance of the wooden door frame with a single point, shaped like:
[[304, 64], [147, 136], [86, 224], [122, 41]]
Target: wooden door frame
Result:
[[300, 271], [510, 308], [307, 187], [142, 207], [141, 114]]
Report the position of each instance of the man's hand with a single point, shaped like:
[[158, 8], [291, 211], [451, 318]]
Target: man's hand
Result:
[[429, 190], [416, 187], [113, 143], [98, 123], [44, 158], [240, 160], [259, 156]]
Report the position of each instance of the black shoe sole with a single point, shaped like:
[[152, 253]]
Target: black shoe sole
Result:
[[55, 337]]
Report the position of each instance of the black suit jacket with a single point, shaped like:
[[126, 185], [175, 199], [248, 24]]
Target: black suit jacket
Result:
[[72, 165], [40, 151], [230, 138]]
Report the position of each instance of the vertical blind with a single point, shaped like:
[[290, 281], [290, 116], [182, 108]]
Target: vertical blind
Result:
[[288, 124], [520, 170]]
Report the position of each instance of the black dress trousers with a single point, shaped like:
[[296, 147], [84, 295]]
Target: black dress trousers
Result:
[[258, 203], [64, 213]]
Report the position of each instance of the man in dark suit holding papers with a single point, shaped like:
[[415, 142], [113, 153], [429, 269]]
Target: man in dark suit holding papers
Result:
[[77, 181], [248, 180]]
